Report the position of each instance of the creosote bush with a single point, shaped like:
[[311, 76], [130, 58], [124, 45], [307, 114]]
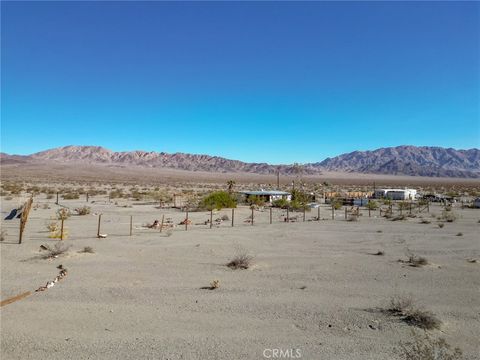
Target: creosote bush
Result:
[[405, 308], [240, 261], [218, 200], [54, 251]]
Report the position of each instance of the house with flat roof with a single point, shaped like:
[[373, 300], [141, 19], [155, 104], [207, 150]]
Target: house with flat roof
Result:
[[268, 195]]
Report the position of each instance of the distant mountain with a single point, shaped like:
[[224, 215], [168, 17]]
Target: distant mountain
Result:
[[401, 160], [408, 160], [100, 155]]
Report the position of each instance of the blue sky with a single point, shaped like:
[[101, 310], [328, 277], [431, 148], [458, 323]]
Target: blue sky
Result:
[[256, 81]]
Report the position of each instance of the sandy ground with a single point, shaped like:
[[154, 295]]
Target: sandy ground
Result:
[[144, 175], [314, 286]]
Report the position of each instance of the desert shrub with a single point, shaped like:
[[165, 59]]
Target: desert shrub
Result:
[[52, 226], [424, 347], [423, 319], [405, 308], [372, 205], [280, 203], [49, 196], [218, 200], [240, 261], [8, 197], [400, 304], [71, 196], [337, 204], [225, 218], [449, 216], [55, 251], [87, 249], [84, 210], [301, 196], [441, 225], [63, 214], [160, 196], [403, 205], [425, 221], [13, 188], [255, 200], [417, 261], [296, 205], [116, 193], [399, 218], [379, 253], [459, 234]]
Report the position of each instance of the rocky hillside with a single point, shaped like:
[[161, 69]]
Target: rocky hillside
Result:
[[401, 160], [408, 160], [100, 155]]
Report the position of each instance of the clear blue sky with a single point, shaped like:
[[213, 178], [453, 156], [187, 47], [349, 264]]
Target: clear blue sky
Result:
[[276, 82]]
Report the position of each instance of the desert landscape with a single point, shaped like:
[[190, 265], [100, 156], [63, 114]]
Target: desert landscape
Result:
[[311, 287], [197, 180]]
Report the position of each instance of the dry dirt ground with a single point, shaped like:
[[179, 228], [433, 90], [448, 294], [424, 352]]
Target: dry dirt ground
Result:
[[314, 286]]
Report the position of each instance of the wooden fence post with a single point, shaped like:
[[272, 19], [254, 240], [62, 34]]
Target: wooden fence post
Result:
[[61, 229], [428, 206], [333, 213], [20, 237], [270, 215], [345, 213], [186, 221], [288, 214], [318, 209], [304, 213], [161, 224], [56, 202], [233, 215], [87, 197], [211, 218], [131, 225], [252, 216], [98, 228], [369, 212], [174, 200]]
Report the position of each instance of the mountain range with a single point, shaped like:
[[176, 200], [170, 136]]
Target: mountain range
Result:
[[401, 160]]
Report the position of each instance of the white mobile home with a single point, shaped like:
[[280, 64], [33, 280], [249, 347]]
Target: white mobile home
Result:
[[396, 194], [268, 195]]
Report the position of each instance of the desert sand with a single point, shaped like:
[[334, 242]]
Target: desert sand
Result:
[[314, 287]]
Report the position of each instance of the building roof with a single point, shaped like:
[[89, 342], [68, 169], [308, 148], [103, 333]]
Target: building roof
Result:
[[397, 190], [265, 192]]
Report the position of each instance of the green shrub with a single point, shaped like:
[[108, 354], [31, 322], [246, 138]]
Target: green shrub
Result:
[[218, 200], [372, 205], [255, 200], [280, 203], [337, 204]]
